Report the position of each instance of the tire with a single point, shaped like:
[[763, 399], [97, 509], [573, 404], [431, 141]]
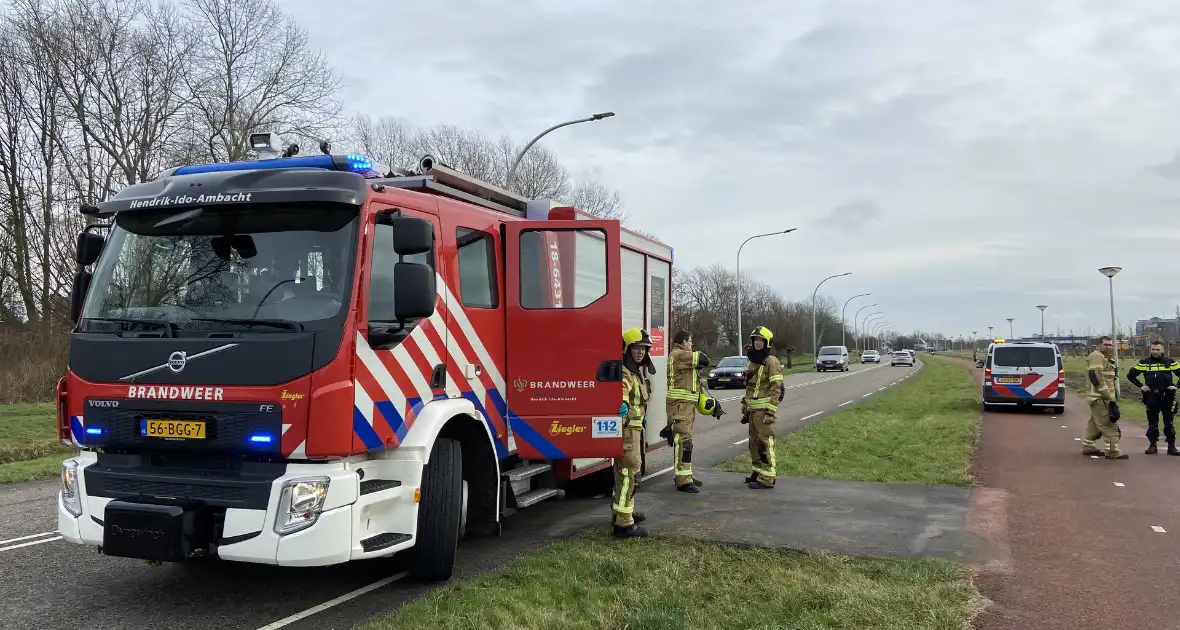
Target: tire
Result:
[[439, 513]]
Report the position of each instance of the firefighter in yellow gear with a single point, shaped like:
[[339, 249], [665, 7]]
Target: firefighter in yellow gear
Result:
[[637, 366], [685, 386], [1100, 395], [764, 391]]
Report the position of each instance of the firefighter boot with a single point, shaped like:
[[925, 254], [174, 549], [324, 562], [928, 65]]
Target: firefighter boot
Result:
[[693, 488], [1172, 449], [630, 531], [1151, 449]]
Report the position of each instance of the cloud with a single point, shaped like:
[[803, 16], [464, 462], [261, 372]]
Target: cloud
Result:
[[996, 154]]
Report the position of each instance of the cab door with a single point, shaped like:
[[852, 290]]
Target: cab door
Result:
[[564, 320]]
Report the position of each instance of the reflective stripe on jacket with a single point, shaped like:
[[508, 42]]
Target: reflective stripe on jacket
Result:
[[764, 389], [683, 378], [636, 392]]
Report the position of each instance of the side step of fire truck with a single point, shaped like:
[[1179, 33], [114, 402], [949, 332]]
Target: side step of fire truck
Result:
[[526, 485]]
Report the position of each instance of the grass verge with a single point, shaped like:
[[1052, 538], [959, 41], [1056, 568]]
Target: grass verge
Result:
[[29, 448], [593, 582], [922, 431], [1131, 404]]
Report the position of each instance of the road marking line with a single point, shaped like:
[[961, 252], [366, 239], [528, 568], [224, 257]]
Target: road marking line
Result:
[[867, 395], [742, 441], [1093, 457], [1064, 427], [29, 544], [880, 389], [1157, 529], [29, 537], [1120, 484], [286, 621], [847, 402], [818, 413], [666, 470], [1054, 417], [1077, 439]]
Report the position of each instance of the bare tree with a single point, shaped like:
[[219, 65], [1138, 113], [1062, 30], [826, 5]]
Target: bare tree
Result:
[[595, 198], [243, 77]]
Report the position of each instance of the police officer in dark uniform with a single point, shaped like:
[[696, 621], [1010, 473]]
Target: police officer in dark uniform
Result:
[[1159, 394]]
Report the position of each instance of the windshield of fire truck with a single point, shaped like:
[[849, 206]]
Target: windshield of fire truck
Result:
[[290, 266]]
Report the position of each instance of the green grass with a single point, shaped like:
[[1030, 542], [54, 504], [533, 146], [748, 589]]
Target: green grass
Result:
[[1131, 404], [29, 448], [922, 431], [595, 583]]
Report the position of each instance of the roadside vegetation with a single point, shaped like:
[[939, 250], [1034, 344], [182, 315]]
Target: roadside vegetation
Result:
[[1131, 404], [921, 431], [29, 448], [593, 582]]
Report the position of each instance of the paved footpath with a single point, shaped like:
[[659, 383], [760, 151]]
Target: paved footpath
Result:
[[1091, 543]]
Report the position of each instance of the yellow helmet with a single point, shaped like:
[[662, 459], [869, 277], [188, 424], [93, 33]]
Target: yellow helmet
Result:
[[633, 336], [708, 406], [763, 333]]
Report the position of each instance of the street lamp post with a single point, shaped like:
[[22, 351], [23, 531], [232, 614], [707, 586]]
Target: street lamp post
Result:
[[1109, 272], [864, 326], [989, 334], [1042, 307], [974, 342], [878, 328], [1010, 333], [520, 156], [843, 340], [856, 331], [739, 282], [814, 344]]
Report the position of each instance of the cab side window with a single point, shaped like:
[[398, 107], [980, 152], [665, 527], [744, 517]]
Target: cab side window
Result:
[[477, 269], [381, 274]]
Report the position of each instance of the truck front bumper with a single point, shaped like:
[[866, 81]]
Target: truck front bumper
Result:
[[156, 528]]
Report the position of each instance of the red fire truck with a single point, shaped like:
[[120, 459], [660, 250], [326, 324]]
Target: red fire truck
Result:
[[300, 361]]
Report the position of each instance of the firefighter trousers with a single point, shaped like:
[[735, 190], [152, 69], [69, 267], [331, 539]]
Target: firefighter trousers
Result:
[[1100, 426], [762, 459], [1157, 405], [682, 414], [626, 472]]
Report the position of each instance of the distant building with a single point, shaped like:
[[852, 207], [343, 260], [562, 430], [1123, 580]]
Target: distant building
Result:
[[1158, 327]]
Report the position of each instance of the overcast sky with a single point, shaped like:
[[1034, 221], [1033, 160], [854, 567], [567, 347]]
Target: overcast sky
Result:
[[966, 161]]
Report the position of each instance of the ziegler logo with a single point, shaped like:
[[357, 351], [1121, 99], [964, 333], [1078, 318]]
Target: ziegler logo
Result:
[[286, 395], [565, 429]]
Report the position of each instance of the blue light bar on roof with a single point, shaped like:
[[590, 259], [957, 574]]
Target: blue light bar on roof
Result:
[[351, 162]]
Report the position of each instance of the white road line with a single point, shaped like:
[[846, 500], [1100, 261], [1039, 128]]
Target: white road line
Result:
[[880, 389], [1120, 484], [1077, 439], [286, 621], [657, 474], [29, 537], [742, 441], [1064, 427], [1093, 457], [1157, 529], [867, 395], [847, 402], [29, 544], [1054, 417], [818, 413]]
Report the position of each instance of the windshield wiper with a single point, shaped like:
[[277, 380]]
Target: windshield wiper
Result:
[[146, 323], [242, 321]]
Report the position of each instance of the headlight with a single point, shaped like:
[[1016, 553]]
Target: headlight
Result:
[[69, 487], [712, 374], [300, 504]]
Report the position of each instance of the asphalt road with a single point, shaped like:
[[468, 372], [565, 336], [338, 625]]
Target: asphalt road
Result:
[[49, 584]]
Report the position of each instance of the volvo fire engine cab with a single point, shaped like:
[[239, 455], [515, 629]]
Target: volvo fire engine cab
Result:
[[300, 361]]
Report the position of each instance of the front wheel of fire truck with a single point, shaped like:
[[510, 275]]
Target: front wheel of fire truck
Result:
[[440, 514]]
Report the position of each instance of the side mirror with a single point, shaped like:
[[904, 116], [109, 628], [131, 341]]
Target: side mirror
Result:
[[88, 248], [78, 293], [414, 292], [412, 235]]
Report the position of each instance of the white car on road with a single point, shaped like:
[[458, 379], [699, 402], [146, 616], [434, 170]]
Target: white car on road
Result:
[[870, 356], [902, 357]]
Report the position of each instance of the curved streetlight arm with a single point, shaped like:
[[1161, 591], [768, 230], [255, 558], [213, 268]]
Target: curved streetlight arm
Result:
[[864, 326], [814, 344], [520, 155], [738, 339], [876, 333], [856, 330], [843, 319]]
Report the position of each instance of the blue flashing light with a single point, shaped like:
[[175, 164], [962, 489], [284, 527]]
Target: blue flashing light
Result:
[[351, 162], [93, 430], [261, 438]]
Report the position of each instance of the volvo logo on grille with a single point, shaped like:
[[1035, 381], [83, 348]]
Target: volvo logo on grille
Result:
[[103, 403], [176, 361]]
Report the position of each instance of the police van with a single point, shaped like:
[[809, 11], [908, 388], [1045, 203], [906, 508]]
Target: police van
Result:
[[1023, 374]]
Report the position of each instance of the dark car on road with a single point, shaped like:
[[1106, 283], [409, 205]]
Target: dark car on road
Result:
[[729, 372]]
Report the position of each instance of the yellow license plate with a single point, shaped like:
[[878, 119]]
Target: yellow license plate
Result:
[[1008, 379], [178, 429], [724, 380]]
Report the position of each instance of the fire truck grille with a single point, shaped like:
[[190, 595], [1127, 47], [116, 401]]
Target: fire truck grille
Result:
[[228, 427]]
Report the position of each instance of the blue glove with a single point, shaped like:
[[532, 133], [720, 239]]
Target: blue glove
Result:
[[623, 409]]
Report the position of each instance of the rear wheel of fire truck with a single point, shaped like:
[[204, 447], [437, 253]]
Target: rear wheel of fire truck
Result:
[[440, 514]]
